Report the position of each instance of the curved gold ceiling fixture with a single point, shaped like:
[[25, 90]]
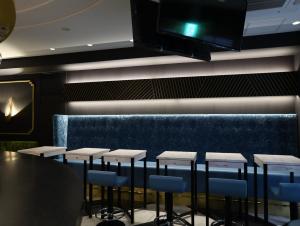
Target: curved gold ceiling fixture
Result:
[[7, 18]]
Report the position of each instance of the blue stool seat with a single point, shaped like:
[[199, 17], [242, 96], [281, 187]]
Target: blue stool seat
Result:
[[228, 187], [294, 223], [167, 184], [106, 178], [288, 192]]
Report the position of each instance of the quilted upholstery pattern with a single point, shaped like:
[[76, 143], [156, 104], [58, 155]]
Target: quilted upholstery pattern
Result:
[[245, 133], [60, 130]]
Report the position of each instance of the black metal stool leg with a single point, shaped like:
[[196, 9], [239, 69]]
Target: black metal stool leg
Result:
[[119, 189], [293, 205], [110, 211], [169, 207], [240, 200], [228, 216], [110, 203]]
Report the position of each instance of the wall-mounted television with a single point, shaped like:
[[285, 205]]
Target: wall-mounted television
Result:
[[145, 20], [188, 27], [216, 22]]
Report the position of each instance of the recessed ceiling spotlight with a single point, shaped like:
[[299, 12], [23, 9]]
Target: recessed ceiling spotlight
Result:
[[90, 45], [52, 49], [296, 22]]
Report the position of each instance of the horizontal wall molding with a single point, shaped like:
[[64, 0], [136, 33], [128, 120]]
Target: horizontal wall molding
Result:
[[270, 84]]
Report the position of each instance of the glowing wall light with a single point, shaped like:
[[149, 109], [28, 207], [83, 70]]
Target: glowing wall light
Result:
[[11, 110]]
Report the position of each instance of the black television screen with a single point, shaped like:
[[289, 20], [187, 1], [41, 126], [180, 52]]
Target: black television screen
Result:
[[145, 35], [217, 22]]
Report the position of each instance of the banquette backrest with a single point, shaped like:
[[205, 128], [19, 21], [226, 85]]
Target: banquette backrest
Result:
[[244, 133]]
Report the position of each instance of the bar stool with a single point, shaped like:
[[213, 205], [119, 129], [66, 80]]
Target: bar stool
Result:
[[109, 180], [230, 188], [169, 185], [289, 192]]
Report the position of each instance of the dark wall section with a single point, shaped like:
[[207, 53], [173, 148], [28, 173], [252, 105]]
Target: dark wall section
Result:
[[48, 101], [51, 102], [163, 95], [273, 84]]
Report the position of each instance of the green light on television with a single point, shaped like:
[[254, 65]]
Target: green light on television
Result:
[[191, 30]]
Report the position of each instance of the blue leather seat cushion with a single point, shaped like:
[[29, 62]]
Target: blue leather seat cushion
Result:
[[228, 187], [274, 177], [288, 192], [294, 223], [106, 178], [167, 183]]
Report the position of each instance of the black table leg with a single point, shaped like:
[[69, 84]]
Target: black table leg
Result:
[[64, 159], [166, 174], [192, 193], [255, 192], [207, 192], [157, 193], [293, 205], [246, 199], [266, 195], [145, 182], [132, 191], [91, 190], [240, 200], [119, 189], [196, 188], [84, 179], [102, 187]]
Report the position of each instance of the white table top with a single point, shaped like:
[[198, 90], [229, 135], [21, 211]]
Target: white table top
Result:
[[124, 155], [86, 153], [225, 157], [47, 151], [177, 158], [225, 160], [284, 160], [178, 155]]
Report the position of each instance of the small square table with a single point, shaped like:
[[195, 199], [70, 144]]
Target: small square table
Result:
[[128, 156], [180, 158], [225, 160], [286, 163], [45, 151], [88, 154]]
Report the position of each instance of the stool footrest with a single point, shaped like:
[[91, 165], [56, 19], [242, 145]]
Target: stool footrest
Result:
[[104, 214]]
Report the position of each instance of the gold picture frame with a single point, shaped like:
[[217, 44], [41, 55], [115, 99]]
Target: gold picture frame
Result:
[[31, 84]]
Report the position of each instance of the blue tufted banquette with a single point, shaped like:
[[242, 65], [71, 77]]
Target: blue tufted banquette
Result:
[[244, 133]]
